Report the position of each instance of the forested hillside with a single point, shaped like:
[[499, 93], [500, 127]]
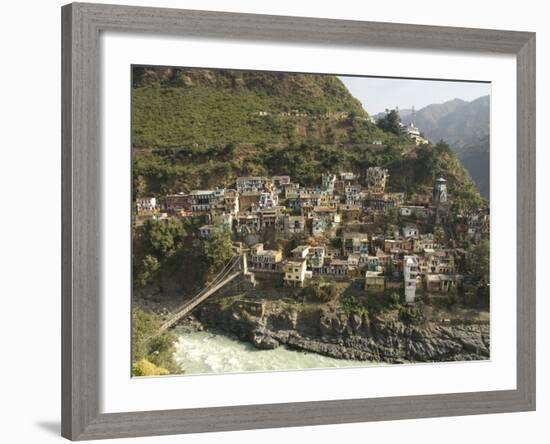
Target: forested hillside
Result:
[[203, 128], [175, 107], [476, 159]]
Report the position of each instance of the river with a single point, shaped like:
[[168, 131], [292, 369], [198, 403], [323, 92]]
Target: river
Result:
[[206, 352]]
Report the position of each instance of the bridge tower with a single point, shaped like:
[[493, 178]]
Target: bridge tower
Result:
[[244, 264]]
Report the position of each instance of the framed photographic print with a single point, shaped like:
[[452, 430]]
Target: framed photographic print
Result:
[[277, 221]]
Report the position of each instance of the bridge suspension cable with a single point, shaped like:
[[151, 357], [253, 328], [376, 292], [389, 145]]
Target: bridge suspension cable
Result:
[[204, 293]]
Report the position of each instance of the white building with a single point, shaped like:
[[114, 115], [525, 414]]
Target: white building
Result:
[[348, 176], [413, 132], [409, 130], [409, 231], [231, 200], [301, 252], [295, 272], [410, 272], [146, 204], [251, 184], [328, 180], [205, 231], [268, 200], [202, 200]]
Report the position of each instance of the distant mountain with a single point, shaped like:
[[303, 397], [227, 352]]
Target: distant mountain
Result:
[[465, 127], [457, 122], [476, 160]]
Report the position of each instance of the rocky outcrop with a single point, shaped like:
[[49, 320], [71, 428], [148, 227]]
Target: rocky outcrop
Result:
[[347, 336]]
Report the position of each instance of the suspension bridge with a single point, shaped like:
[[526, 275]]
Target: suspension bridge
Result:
[[235, 267]]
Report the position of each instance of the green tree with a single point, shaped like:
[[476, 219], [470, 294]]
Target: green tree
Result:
[[478, 267], [477, 262], [146, 270], [162, 237], [390, 122], [217, 249]]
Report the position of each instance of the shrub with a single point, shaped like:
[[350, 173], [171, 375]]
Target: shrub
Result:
[[410, 315], [157, 350], [351, 305], [146, 368], [395, 299], [318, 292]]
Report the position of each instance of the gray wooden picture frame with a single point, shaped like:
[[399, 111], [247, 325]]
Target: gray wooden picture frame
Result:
[[81, 171]]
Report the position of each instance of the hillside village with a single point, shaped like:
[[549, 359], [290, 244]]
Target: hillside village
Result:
[[335, 230], [290, 216]]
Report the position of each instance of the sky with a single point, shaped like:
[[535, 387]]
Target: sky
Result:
[[377, 94]]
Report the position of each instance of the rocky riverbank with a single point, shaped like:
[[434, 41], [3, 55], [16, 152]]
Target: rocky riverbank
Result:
[[330, 331]]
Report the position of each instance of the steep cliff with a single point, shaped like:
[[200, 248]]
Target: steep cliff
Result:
[[335, 333]]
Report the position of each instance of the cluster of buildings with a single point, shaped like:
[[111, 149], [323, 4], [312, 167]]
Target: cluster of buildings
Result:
[[337, 224]]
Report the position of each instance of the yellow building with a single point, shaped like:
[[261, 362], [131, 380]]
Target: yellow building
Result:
[[374, 282]]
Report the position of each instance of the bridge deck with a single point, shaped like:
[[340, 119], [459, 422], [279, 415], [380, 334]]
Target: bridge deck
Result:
[[189, 306]]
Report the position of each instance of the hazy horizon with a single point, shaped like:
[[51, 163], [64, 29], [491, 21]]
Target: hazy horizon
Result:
[[378, 94]]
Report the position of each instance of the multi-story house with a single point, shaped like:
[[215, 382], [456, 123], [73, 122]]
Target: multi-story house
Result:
[[304, 200], [350, 213], [280, 183], [248, 223], [203, 200], [376, 179], [262, 259], [374, 282], [231, 201], [378, 202], [355, 243], [295, 272], [293, 224], [424, 242], [327, 182], [335, 268], [268, 218], [268, 200], [396, 245], [252, 184], [178, 202], [300, 252], [353, 194], [145, 204], [316, 258], [324, 221], [441, 283], [418, 211]]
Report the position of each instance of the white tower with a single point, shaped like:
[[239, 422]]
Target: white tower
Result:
[[328, 181], [410, 271], [439, 195]]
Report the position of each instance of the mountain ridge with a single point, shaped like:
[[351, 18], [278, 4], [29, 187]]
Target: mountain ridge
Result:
[[464, 125], [203, 128]]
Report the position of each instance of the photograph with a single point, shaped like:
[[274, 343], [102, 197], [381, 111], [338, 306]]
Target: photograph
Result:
[[287, 221]]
